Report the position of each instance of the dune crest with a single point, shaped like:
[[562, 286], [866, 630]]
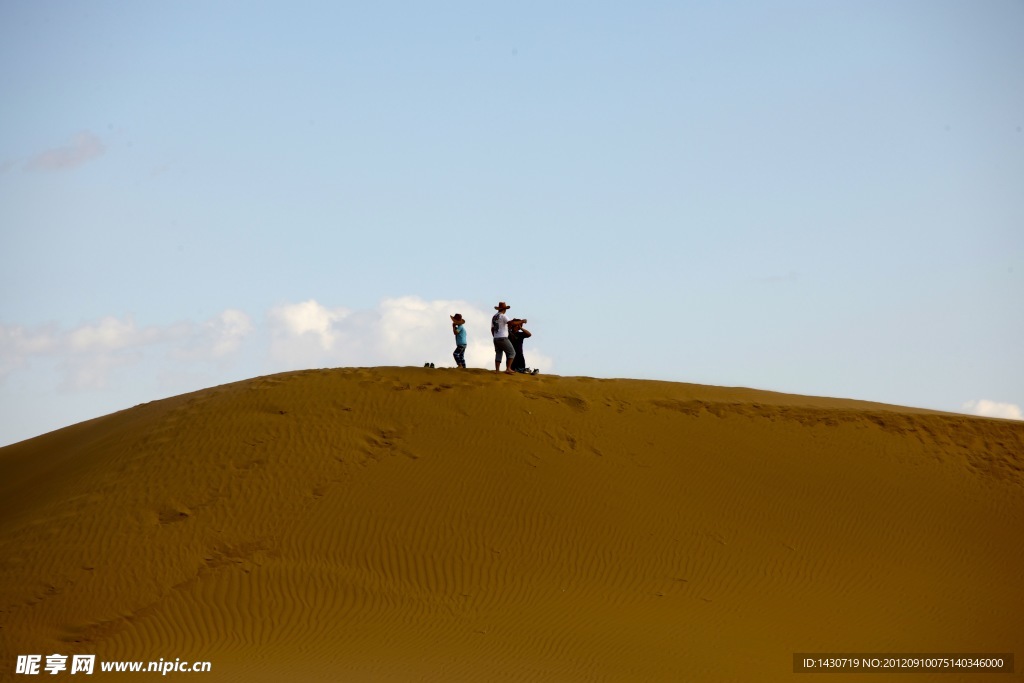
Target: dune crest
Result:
[[393, 524]]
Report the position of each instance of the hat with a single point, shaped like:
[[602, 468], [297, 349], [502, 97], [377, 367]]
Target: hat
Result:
[[517, 321], [457, 319], [502, 306]]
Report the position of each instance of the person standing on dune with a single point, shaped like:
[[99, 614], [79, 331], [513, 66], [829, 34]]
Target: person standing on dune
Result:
[[499, 330], [459, 330], [516, 334]]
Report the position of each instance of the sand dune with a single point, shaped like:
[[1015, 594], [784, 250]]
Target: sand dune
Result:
[[407, 524]]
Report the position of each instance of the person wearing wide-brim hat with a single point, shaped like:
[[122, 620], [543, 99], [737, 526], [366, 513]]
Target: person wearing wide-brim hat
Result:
[[499, 330], [516, 334], [459, 330]]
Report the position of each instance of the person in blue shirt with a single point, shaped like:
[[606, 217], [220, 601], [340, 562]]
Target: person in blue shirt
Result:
[[459, 330]]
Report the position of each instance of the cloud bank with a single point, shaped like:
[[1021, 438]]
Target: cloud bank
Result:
[[986, 408], [402, 331], [86, 355]]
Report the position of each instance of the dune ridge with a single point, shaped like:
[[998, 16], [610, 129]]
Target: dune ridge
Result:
[[395, 524]]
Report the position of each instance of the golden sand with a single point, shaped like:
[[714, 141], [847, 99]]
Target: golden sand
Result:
[[409, 524]]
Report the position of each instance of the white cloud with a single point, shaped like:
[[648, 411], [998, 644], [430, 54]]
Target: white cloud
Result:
[[92, 351], [228, 330], [87, 354], [987, 408], [92, 371], [83, 147], [218, 338], [409, 326], [112, 334], [401, 331], [17, 345], [309, 319], [106, 335], [308, 334]]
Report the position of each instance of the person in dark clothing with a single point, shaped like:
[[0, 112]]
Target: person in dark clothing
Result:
[[516, 334]]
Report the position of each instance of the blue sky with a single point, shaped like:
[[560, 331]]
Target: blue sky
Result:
[[816, 198]]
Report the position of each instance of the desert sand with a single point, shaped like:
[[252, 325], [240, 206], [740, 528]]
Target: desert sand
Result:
[[412, 524]]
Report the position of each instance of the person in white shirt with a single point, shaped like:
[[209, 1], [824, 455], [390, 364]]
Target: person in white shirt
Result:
[[499, 330]]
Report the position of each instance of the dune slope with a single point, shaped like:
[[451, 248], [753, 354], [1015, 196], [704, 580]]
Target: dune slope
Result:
[[396, 524]]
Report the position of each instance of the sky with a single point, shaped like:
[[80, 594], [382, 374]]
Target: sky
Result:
[[821, 198]]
